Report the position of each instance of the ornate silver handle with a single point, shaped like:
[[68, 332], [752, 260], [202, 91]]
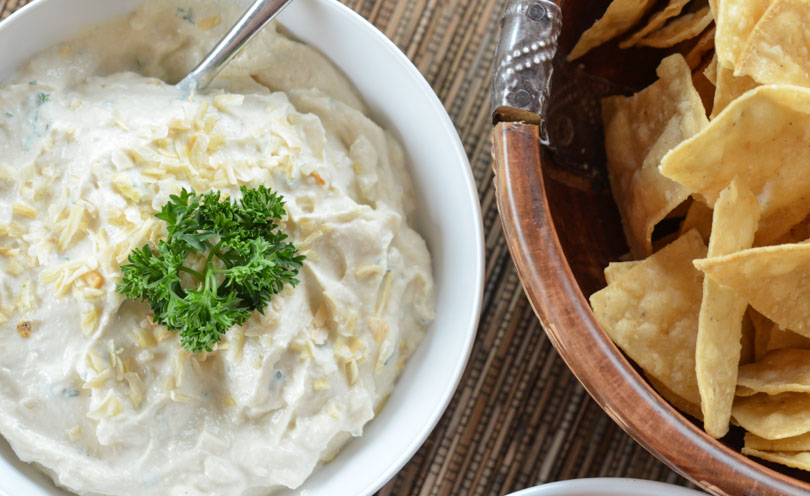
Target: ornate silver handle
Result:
[[259, 14], [523, 60]]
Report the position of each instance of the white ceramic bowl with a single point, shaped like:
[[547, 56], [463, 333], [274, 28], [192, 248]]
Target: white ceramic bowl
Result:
[[604, 486], [448, 217]]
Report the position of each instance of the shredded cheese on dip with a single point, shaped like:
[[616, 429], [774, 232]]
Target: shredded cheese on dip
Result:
[[92, 143]]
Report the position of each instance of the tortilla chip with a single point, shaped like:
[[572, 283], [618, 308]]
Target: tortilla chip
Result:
[[697, 54], [620, 16], [781, 371], [734, 220], [760, 137], [774, 280], [774, 416], [800, 233], [652, 312], [673, 399], [683, 28], [615, 270], [705, 89], [797, 443], [736, 215], [641, 129], [780, 339], [673, 8], [729, 88], [777, 49], [800, 460], [788, 225], [735, 21], [699, 217]]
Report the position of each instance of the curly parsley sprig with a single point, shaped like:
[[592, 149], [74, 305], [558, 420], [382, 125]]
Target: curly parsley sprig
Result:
[[247, 260]]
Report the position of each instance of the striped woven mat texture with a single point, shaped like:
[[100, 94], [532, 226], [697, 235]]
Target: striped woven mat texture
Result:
[[519, 418]]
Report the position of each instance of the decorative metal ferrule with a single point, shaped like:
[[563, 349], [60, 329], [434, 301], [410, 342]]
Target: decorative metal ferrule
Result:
[[523, 61]]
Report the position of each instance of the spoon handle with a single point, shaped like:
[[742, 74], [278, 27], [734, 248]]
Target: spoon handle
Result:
[[259, 14]]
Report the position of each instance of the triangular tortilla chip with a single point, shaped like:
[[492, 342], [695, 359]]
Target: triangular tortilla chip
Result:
[[704, 87], [777, 49], [717, 353], [796, 443], [679, 29], [787, 225], [760, 137], [615, 270], [800, 460], [673, 8], [781, 371], [774, 416], [774, 279], [781, 339], [639, 130], [729, 88], [652, 312], [735, 21], [702, 47], [620, 16]]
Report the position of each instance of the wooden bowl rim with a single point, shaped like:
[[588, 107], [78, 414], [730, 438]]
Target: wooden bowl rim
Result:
[[597, 363]]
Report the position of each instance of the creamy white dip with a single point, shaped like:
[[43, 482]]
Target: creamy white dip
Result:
[[92, 143]]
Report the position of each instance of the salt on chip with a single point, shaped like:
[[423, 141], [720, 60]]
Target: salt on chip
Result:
[[796, 443], [652, 312], [774, 280], [777, 48], [620, 16], [717, 353], [774, 416], [673, 8], [735, 21], [641, 129], [615, 270], [797, 459], [680, 29], [781, 371], [760, 137], [728, 88]]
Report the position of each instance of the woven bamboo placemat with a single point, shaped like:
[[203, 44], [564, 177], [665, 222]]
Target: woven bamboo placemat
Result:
[[519, 418]]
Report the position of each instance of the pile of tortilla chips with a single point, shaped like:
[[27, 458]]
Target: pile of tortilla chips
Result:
[[716, 313], [678, 21]]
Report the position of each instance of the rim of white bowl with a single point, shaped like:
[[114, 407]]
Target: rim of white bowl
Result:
[[472, 196], [608, 486], [472, 193]]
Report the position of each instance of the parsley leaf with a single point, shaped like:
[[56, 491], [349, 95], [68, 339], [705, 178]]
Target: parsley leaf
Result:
[[246, 260]]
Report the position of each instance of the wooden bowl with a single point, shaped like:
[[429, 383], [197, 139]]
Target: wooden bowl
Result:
[[562, 228]]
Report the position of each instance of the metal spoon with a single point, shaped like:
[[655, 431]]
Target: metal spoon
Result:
[[259, 14]]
